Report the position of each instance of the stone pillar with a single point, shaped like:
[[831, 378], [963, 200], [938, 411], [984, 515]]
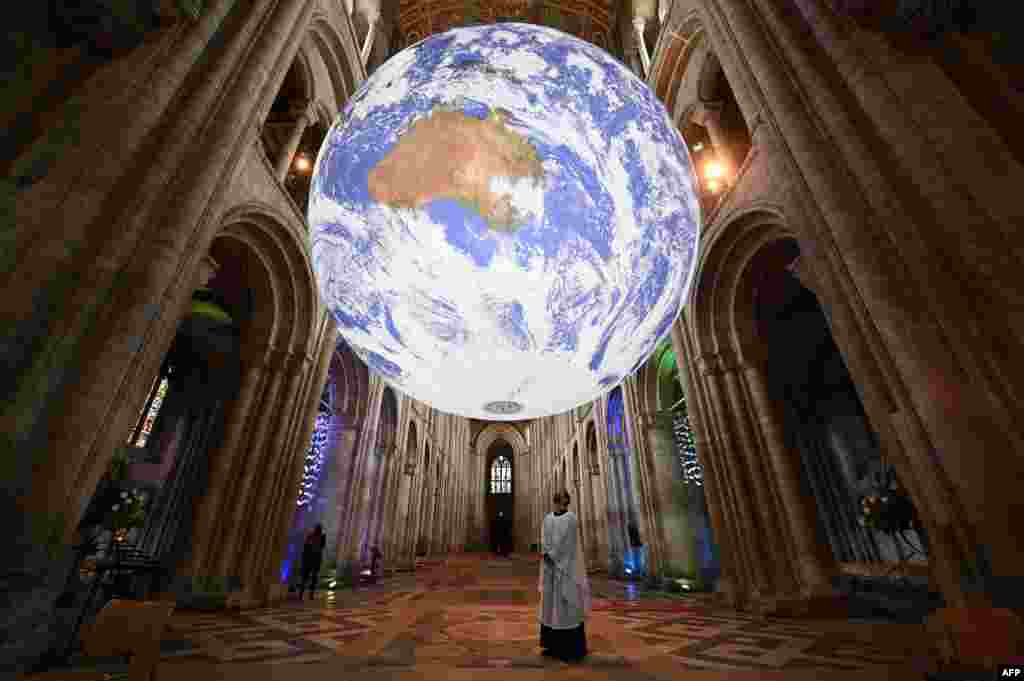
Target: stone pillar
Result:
[[148, 296], [245, 501], [390, 517], [372, 20], [752, 560], [370, 495], [715, 493], [303, 119], [382, 487], [298, 446], [914, 335], [774, 540], [398, 545], [676, 534], [639, 25], [257, 532], [815, 559], [344, 457], [222, 467]]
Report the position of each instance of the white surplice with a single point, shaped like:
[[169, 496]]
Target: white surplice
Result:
[[565, 590]]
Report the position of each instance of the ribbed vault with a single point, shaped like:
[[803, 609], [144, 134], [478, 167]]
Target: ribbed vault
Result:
[[591, 20]]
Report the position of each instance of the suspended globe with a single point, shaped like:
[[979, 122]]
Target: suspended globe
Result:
[[504, 222]]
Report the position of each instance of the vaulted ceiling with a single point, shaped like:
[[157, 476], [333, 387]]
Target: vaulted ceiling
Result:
[[591, 20]]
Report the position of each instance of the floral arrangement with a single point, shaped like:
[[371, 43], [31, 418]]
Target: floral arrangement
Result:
[[126, 513], [888, 511]]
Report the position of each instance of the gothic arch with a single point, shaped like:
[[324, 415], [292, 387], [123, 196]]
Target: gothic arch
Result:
[[351, 380], [387, 424], [304, 71], [411, 445], [330, 46], [722, 321], [650, 377], [501, 431], [591, 447], [275, 263]]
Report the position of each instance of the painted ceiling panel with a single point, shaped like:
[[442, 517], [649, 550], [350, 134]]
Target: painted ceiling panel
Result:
[[591, 20]]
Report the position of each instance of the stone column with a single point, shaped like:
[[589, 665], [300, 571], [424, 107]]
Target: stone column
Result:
[[768, 511], [380, 495], [371, 33], [344, 458], [639, 25], [715, 494], [148, 295], [397, 546], [258, 531], [359, 487], [243, 490], [677, 536], [815, 559], [298, 447], [897, 292], [370, 494], [745, 523], [303, 119], [390, 517], [414, 514], [223, 463]]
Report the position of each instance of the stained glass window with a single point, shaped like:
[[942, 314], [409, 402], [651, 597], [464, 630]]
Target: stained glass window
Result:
[[501, 476], [147, 417]]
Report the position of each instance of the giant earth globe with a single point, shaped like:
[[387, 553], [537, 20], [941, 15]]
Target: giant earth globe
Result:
[[503, 221]]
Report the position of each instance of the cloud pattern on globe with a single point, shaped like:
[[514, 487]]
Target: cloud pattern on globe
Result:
[[503, 222]]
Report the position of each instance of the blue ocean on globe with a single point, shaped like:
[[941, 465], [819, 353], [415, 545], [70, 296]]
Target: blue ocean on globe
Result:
[[504, 222]]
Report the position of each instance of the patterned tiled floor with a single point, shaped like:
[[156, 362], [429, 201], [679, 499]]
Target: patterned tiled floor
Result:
[[487, 621]]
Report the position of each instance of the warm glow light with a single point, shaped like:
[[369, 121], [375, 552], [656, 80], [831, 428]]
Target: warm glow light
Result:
[[714, 186], [302, 163], [713, 170], [698, 146]]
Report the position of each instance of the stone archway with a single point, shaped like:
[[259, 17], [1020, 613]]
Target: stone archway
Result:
[[270, 421], [500, 496], [522, 501], [765, 519]]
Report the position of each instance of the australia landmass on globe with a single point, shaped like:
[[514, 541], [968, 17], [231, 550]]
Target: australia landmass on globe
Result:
[[451, 155]]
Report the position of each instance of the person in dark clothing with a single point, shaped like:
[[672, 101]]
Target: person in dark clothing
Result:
[[312, 556], [503, 531], [375, 559]]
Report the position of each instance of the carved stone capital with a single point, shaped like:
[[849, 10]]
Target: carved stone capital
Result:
[[707, 114], [206, 271]]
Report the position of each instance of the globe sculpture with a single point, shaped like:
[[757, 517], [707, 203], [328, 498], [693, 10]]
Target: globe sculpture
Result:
[[503, 222]]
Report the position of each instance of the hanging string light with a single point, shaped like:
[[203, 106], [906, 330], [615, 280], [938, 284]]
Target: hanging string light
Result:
[[686, 448], [314, 464]]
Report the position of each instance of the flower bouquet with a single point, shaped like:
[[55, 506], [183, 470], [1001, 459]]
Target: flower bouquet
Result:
[[127, 512], [889, 511]]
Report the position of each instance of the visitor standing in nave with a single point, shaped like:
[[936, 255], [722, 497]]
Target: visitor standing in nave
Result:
[[565, 590], [312, 556], [504, 532]]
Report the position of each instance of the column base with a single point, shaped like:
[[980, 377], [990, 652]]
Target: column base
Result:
[[277, 594]]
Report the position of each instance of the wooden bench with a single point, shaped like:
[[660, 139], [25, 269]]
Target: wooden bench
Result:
[[122, 627]]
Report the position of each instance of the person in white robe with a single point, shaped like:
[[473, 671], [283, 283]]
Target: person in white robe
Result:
[[565, 590]]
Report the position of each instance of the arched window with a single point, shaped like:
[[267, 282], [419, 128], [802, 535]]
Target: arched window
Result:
[[501, 476], [151, 409]]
